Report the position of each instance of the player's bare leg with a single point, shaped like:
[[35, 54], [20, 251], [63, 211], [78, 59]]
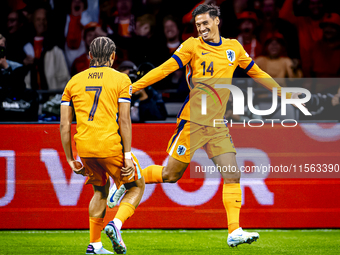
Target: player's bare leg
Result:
[[97, 207], [174, 170], [97, 210], [135, 191], [129, 203], [232, 199]]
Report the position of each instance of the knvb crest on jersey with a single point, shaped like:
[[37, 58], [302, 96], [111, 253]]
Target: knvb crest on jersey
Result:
[[230, 55], [181, 150]]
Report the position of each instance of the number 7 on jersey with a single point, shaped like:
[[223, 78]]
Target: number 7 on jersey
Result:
[[98, 90]]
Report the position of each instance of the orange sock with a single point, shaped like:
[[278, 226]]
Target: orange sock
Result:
[[232, 203], [153, 174], [125, 211], [96, 226]]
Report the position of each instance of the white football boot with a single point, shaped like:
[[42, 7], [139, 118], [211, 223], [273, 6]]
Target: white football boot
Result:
[[238, 236], [91, 250], [114, 195]]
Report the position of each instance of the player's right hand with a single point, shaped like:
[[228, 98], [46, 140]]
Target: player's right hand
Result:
[[77, 167], [128, 169]]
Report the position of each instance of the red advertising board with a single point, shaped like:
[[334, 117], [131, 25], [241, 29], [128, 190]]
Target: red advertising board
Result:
[[39, 191]]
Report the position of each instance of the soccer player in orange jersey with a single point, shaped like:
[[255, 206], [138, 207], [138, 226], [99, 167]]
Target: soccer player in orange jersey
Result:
[[101, 98], [210, 60]]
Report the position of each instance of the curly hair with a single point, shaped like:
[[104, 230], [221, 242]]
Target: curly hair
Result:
[[213, 10], [101, 49]]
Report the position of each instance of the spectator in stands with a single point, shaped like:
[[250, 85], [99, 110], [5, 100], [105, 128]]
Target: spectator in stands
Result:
[[324, 58], [11, 73], [106, 15], [272, 23], [45, 61], [121, 29], [91, 31], [247, 24], [17, 33], [307, 21], [75, 21], [145, 26], [172, 33], [274, 60], [16, 102], [145, 46], [124, 22]]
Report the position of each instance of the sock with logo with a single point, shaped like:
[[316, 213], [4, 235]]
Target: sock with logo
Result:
[[96, 226], [153, 174], [232, 203], [125, 211]]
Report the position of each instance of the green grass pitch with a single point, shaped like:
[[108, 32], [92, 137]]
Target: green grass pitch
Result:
[[173, 241]]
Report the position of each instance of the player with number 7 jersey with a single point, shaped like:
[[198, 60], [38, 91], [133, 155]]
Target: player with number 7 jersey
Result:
[[100, 97], [95, 98]]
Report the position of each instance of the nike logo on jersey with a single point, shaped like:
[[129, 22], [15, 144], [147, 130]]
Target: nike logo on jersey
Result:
[[204, 53], [238, 201]]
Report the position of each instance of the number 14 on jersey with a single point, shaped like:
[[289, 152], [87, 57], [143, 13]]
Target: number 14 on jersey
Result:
[[210, 68]]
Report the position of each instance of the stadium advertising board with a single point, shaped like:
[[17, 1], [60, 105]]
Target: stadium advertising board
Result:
[[297, 186]]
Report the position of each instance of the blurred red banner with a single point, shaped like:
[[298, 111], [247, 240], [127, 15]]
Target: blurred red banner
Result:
[[38, 190]]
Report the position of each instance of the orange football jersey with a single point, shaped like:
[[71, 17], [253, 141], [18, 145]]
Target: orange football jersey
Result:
[[95, 94], [207, 65]]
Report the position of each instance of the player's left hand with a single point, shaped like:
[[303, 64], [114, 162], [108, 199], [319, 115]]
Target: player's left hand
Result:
[[77, 167], [129, 168]]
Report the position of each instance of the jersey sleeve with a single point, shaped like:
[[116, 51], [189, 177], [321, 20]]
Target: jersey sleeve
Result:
[[244, 60], [155, 75], [125, 92], [66, 98], [184, 52], [256, 73]]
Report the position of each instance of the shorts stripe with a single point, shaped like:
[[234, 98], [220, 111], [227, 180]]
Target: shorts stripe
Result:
[[137, 169], [173, 147], [179, 129]]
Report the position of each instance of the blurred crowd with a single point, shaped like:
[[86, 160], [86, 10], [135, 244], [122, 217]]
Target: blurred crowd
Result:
[[45, 42]]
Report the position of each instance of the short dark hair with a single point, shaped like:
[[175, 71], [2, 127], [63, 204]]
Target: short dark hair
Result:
[[101, 49], [213, 10], [172, 18]]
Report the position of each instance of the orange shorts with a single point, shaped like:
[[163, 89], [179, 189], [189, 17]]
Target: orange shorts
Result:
[[189, 137], [99, 170]]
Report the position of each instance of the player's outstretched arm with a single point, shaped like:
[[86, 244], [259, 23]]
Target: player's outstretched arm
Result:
[[156, 75], [268, 82], [124, 122], [265, 79]]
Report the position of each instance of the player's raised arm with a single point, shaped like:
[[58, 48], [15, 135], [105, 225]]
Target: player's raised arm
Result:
[[179, 59], [257, 74]]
